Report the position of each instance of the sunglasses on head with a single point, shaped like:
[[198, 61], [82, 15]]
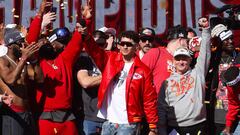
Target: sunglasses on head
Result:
[[128, 44], [144, 39]]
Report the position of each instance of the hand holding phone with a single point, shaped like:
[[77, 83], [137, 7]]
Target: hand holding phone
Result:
[[53, 10]]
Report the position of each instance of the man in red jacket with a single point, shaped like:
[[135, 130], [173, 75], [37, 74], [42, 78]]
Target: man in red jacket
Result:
[[232, 78], [126, 93]]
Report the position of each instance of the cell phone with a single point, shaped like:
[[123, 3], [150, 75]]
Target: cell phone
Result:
[[54, 9]]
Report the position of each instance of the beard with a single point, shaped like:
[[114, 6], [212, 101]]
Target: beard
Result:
[[17, 53], [47, 52]]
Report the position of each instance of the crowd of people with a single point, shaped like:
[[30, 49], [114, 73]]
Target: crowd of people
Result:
[[103, 82]]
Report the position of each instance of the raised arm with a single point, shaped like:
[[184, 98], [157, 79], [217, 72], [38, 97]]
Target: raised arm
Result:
[[203, 59], [11, 76], [99, 56], [35, 26]]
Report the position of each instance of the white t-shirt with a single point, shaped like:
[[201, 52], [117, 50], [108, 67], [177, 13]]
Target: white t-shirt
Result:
[[115, 109]]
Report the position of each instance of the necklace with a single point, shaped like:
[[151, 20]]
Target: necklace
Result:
[[11, 60], [226, 62], [52, 65]]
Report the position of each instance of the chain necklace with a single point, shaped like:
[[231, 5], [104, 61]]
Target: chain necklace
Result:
[[226, 62], [11, 60], [53, 65]]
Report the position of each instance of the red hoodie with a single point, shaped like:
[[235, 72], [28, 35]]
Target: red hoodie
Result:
[[56, 93]]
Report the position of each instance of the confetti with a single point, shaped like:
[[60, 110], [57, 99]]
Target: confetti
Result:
[[16, 16], [13, 10], [207, 102], [65, 2], [62, 5], [163, 4]]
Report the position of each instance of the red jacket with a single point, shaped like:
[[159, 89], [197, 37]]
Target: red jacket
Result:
[[34, 29], [233, 104], [141, 97], [56, 93]]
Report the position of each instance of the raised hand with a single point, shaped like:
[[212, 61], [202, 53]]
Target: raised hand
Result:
[[203, 22], [48, 18], [86, 10], [28, 50], [43, 5], [81, 29]]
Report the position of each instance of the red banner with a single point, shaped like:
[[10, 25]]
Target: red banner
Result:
[[119, 14]]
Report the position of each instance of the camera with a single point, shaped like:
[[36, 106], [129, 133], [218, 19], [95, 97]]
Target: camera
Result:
[[233, 19]]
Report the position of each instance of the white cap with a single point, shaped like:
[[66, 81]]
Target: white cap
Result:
[[218, 29], [108, 30], [225, 34], [181, 51]]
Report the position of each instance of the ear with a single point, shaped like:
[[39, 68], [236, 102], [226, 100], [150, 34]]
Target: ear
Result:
[[137, 46], [9, 47], [118, 46], [174, 62], [190, 60]]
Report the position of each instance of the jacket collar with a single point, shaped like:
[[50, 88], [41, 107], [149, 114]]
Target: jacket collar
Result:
[[136, 60]]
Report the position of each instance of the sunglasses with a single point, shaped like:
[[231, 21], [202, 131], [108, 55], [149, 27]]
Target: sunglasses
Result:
[[144, 39], [128, 44], [181, 57]]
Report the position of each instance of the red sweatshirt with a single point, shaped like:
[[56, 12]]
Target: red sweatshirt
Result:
[[56, 93], [34, 29], [159, 60], [233, 104]]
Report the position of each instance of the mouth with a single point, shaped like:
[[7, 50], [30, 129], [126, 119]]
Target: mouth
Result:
[[148, 46]]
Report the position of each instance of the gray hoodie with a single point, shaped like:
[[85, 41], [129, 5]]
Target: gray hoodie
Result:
[[181, 99]]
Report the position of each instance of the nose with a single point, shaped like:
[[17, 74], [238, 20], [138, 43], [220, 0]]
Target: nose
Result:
[[125, 46], [147, 42], [230, 40]]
